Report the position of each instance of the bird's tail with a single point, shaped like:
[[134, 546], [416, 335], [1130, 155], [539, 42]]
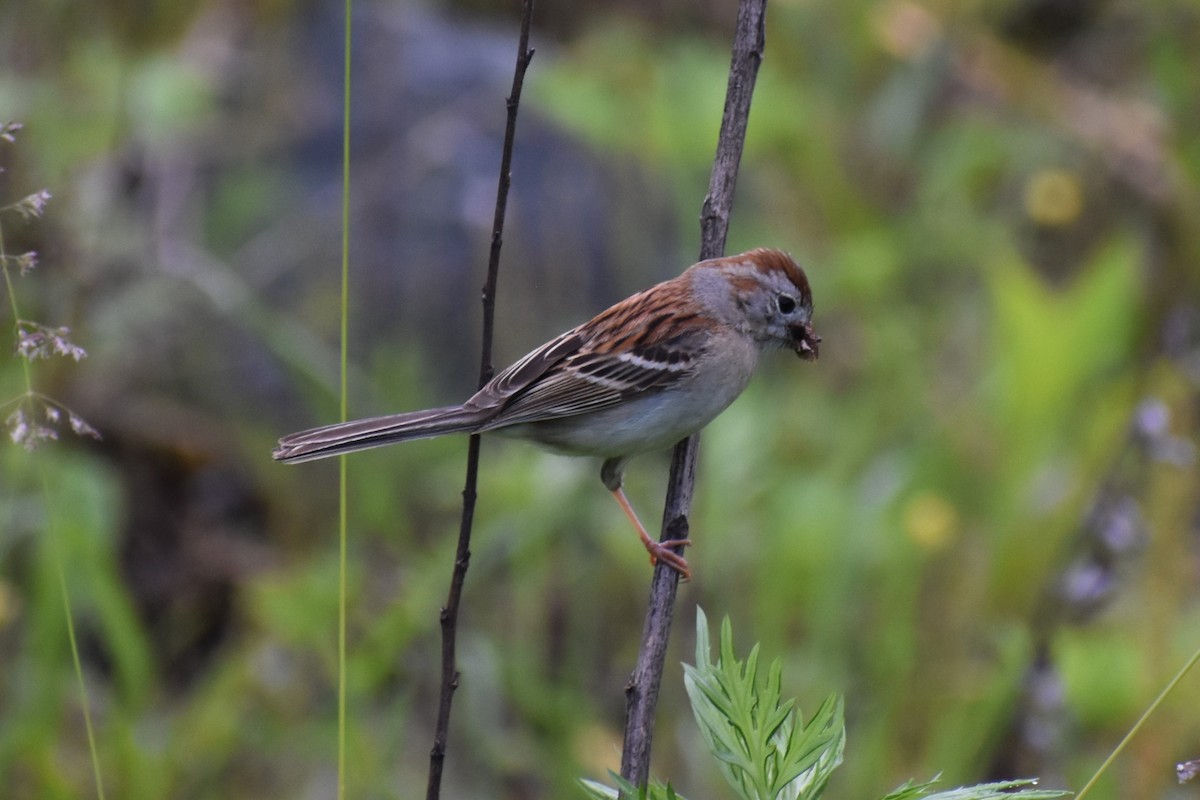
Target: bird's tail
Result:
[[347, 437]]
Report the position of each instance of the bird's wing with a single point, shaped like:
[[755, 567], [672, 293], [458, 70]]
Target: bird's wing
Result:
[[591, 381], [527, 372], [630, 349]]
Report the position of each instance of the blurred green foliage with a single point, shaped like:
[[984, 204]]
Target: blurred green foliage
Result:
[[1001, 237]]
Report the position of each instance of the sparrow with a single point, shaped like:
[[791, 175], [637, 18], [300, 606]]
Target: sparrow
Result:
[[644, 374]]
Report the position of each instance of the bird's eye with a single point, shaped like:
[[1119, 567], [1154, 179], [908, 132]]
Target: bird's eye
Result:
[[786, 304]]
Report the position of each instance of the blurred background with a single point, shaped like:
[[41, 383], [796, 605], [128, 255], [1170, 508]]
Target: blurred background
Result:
[[976, 515]]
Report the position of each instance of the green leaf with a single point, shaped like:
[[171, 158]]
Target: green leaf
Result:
[[810, 782], [654, 791], [999, 790], [912, 791], [598, 790], [763, 748]]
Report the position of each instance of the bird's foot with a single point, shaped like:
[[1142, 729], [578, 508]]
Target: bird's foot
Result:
[[664, 551]]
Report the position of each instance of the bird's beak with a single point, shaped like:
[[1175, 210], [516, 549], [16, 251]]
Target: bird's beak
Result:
[[805, 342]]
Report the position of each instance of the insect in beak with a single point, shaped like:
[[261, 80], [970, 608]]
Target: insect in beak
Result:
[[806, 342]]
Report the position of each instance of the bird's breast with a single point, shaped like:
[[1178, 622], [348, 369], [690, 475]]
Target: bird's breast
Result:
[[654, 420]]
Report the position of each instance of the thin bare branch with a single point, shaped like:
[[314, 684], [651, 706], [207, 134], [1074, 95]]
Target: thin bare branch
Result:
[[641, 694], [449, 614]]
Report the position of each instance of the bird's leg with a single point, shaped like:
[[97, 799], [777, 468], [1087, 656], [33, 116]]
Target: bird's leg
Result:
[[612, 473], [657, 550]]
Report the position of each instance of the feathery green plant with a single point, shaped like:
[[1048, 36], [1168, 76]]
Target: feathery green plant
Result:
[[997, 790], [762, 745]]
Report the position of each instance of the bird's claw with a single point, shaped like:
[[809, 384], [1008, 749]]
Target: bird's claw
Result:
[[664, 551]]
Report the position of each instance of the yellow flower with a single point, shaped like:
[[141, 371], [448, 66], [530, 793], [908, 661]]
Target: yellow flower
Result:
[[930, 521]]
